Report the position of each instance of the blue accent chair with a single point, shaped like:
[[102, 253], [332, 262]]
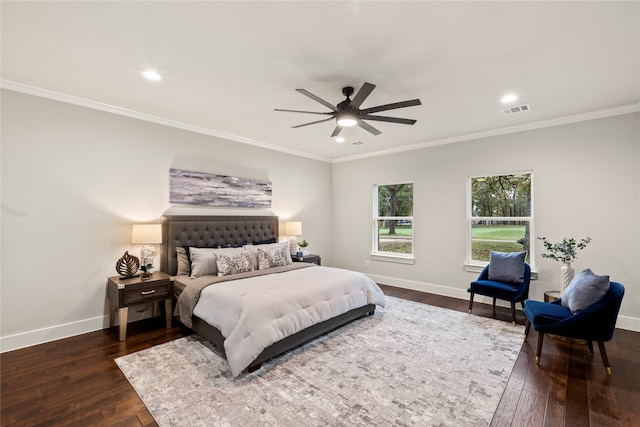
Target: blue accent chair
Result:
[[595, 323], [511, 292]]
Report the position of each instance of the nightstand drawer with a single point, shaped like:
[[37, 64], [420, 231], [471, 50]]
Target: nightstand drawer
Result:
[[146, 292]]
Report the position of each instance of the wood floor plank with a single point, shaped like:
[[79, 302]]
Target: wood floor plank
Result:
[[76, 382], [530, 410]]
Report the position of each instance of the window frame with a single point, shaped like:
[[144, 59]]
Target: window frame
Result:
[[377, 254], [478, 265]]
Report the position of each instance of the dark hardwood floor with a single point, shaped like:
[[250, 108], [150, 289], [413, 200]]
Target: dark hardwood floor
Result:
[[74, 381]]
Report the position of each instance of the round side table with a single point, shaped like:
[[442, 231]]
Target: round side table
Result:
[[551, 296]]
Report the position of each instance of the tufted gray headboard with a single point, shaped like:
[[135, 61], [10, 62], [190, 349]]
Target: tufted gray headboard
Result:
[[207, 231]]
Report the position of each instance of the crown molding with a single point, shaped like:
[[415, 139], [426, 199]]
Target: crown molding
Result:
[[70, 99], [616, 111], [83, 102]]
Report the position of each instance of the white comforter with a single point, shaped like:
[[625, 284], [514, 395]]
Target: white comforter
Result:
[[255, 312]]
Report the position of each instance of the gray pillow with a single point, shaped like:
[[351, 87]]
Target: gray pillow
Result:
[[584, 290], [507, 267], [184, 269]]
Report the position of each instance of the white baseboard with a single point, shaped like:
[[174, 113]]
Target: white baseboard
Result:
[[57, 332], [52, 333], [624, 322]]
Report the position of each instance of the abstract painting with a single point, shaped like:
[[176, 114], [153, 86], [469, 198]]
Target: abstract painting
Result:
[[208, 189]]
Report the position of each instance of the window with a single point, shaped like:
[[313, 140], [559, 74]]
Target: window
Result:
[[500, 217], [393, 221]]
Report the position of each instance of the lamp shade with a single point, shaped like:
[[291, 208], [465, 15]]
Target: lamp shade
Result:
[[293, 228], [142, 234]]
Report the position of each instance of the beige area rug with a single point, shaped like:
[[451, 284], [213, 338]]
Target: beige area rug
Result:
[[410, 364]]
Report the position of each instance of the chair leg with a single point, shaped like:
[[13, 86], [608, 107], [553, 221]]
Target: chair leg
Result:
[[494, 308], [527, 326], [590, 345], [539, 348], [605, 359], [513, 313], [470, 302]]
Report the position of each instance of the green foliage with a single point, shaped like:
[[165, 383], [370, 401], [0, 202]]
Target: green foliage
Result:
[[501, 195], [303, 243], [147, 268], [481, 251], [498, 232], [395, 200], [565, 251], [397, 247]]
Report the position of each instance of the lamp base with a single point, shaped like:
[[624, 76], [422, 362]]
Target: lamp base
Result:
[[293, 245]]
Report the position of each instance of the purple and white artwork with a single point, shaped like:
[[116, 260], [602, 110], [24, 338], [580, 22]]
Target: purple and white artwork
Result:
[[208, 189]]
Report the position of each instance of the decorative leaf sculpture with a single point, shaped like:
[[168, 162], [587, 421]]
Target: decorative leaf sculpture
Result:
[[128, 265]]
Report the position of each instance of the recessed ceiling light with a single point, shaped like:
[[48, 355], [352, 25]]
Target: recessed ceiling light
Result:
[[339, 139], [151, 75], [508, 98]]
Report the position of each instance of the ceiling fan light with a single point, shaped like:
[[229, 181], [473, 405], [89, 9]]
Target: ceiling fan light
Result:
[[347, 119]]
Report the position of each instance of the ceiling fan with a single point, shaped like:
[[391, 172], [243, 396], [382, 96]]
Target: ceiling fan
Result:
[[348, 112]]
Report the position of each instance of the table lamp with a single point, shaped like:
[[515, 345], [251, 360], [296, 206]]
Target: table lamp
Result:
[[293, 229], [146, 235]]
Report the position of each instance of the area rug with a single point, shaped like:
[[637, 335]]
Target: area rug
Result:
[[409, 364]]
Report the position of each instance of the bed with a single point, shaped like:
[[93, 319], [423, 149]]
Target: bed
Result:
[[237, 231]]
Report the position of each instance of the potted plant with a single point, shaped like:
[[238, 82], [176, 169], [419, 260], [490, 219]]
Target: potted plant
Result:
[[301, 245], [565, 252]]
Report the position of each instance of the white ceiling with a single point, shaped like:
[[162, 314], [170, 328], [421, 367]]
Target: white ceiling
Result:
[[227, 65]]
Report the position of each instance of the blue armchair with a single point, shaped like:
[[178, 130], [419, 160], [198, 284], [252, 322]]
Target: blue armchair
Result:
[[595, 323], [501, 290]]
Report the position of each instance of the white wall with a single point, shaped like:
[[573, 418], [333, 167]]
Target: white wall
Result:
[[75, 179], [586, 183]]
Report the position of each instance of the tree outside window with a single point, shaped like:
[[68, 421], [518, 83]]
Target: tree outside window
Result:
[[500, 216], [393, 222]]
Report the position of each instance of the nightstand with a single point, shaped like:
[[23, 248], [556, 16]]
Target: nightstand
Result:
[[124, 293], [313, 258]]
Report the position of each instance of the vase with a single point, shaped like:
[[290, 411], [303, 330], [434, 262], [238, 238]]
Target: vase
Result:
[[566, 276]]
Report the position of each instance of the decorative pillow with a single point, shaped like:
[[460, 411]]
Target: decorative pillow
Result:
[[233, 264], [584, 290], [184, 269], [203, 262], [274, 257], [507, 267], [253, 250]]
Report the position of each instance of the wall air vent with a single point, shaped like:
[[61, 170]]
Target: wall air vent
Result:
[[517, 109]]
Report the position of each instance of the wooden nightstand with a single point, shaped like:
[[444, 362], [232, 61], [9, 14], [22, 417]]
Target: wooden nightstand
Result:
[[124, 293], [313, 258]]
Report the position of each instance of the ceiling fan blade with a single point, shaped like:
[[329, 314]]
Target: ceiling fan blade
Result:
[[362, 94], [393, 106], [299, 111], [368, 127], [389, 119], [315, 98], [312, 123], [336, 131]]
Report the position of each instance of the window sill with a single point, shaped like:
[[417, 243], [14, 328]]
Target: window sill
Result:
[[407, 259]]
